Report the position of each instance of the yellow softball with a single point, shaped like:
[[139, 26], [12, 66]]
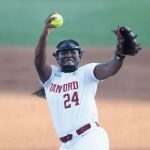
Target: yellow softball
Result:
[[57, 20]]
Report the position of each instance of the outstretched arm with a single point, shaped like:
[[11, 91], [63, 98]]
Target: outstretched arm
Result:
[[111, 67], [41, 60], [126, 45]]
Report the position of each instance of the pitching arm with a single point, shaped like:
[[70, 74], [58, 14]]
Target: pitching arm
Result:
[[40, 58]]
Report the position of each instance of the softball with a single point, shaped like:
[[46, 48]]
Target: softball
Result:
[[57, 21]]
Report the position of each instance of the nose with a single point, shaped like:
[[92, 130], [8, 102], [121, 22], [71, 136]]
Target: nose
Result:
[[68, 54]]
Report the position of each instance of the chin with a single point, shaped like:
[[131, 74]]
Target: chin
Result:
[[69, 68], [69, 64]]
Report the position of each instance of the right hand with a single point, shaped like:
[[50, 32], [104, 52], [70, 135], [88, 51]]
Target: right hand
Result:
[[48, 21], [48, 27]]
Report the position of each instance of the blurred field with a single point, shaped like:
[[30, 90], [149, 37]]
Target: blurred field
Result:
[[87, 21], [123, 102], [26, 123]]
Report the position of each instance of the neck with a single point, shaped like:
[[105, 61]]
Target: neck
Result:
[[69, 68]]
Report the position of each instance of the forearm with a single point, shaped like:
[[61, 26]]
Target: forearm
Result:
[[111, 67], [114, 65], [41, 49]]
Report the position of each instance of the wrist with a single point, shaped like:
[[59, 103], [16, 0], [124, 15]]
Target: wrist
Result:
[[46, 31], [119, 57], [44, 35]]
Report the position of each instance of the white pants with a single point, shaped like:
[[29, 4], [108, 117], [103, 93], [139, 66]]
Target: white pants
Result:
[[94, 139]]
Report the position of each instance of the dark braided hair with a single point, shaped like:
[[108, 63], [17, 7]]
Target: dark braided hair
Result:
[[40, 92]]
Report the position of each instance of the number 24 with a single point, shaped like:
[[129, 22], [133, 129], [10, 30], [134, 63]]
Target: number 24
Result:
[[68, 100]]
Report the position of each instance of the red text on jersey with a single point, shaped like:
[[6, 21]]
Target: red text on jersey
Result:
[[63, 88]]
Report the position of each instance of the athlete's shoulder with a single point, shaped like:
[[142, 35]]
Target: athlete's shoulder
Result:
[[88, 70], [55, 69], [89, 66]]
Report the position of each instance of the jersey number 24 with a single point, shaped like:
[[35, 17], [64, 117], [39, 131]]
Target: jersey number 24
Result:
[[69, 100]]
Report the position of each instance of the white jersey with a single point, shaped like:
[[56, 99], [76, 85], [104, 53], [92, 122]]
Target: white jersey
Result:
[[71, 99]]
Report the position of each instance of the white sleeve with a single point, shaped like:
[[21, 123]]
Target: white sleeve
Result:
[[54, 68], [89, 71]]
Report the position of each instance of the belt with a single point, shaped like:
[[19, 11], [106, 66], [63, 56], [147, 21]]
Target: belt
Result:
[[79, 131]]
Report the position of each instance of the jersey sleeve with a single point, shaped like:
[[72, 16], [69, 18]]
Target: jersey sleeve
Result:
[[89, 71], [54, 69]]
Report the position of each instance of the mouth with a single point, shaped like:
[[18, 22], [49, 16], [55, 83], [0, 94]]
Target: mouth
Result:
[[68, 62]]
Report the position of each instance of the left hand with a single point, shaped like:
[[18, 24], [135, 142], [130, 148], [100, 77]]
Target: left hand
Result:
[[127, 44]]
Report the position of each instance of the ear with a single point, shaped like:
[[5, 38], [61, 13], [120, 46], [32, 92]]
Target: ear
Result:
[[81, 54], [55, 55]]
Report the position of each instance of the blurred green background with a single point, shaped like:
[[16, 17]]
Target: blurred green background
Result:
[[87, 21]]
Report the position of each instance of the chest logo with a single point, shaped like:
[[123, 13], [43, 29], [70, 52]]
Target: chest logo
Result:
[[63, 88]]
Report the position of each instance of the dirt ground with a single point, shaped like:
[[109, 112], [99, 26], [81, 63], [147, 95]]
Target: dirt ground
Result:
[[123, 102]]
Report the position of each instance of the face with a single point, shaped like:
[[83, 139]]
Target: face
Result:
[[68, 58]]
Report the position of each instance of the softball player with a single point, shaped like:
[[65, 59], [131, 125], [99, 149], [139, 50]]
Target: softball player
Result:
[[70, 91]]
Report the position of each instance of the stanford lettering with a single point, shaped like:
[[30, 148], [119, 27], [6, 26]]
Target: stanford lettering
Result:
[[63, 88]]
